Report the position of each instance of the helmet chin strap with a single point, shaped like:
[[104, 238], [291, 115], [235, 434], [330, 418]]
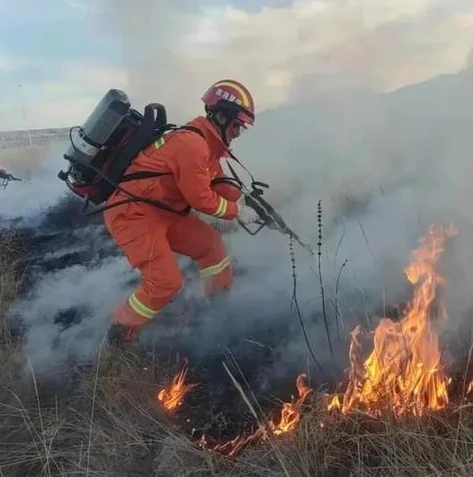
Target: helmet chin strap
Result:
[[222, 128]]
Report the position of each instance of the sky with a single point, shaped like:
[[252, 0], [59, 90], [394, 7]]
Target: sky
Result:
[[66, 54]]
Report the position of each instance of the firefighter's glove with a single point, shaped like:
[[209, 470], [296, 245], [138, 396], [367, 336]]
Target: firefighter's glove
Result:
[[246, 215]]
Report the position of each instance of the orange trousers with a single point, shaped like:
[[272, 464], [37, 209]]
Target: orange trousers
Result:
[[149, 241]]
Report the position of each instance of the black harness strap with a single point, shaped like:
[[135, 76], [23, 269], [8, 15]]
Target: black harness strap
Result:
[[145, 175], [173, 127], [155, 203], [142, 175], [254, 183], [226, 180], [191, 128]]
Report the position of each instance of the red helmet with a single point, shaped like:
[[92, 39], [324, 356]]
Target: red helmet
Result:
[[232, 98]]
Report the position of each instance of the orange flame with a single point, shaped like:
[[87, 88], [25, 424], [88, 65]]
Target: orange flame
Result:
[[235, 446], [172, 396], [290, 413], [403, 371], [334, 403], [290, 417]]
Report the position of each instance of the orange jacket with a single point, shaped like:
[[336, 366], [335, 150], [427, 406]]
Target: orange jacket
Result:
[[191, 162]]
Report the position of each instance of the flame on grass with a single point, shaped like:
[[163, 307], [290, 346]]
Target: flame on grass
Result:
[[404, 371]]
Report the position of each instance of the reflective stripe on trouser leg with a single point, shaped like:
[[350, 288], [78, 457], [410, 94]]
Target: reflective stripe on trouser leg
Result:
[[125, 315], [140, 308], [133, 312], [145, 302], [153, 294], [217, 277]]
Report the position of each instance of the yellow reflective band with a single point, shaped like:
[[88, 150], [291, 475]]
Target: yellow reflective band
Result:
[[215, 269], [159, 142], [244, 97], [222, 208], [141, 309]]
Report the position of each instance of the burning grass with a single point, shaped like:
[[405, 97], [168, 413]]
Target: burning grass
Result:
[[404, 371], [126, 415], [171, 396], [111, 426]]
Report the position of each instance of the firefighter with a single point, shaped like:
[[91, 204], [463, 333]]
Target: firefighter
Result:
[[149, 236]]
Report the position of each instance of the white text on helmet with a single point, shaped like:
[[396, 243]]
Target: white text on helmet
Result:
[[227, 96]]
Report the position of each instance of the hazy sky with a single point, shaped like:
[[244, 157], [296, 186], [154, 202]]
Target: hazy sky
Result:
[[67, 53]]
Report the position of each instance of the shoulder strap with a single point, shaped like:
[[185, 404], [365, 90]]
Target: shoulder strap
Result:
[[193, 129], [142, 175], [158, 134], [174, 127]]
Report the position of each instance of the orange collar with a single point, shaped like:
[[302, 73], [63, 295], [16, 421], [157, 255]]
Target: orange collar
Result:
[[216, 145]]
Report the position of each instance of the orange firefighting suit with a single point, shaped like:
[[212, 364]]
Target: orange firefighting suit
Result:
[[149, 236]]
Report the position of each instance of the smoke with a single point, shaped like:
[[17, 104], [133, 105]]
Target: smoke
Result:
[[66, 314], [40, 188], [173, 51], [385, 165]]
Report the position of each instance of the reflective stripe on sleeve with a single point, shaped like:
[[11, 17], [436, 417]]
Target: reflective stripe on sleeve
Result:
[[159, 142], [222, 208]]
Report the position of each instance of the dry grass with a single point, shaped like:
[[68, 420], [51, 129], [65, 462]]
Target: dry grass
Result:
[[358, 445], [10, 278], [105, 421], [111, 426]]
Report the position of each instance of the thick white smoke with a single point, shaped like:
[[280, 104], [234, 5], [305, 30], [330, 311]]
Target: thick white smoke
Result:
[[74, 288]]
